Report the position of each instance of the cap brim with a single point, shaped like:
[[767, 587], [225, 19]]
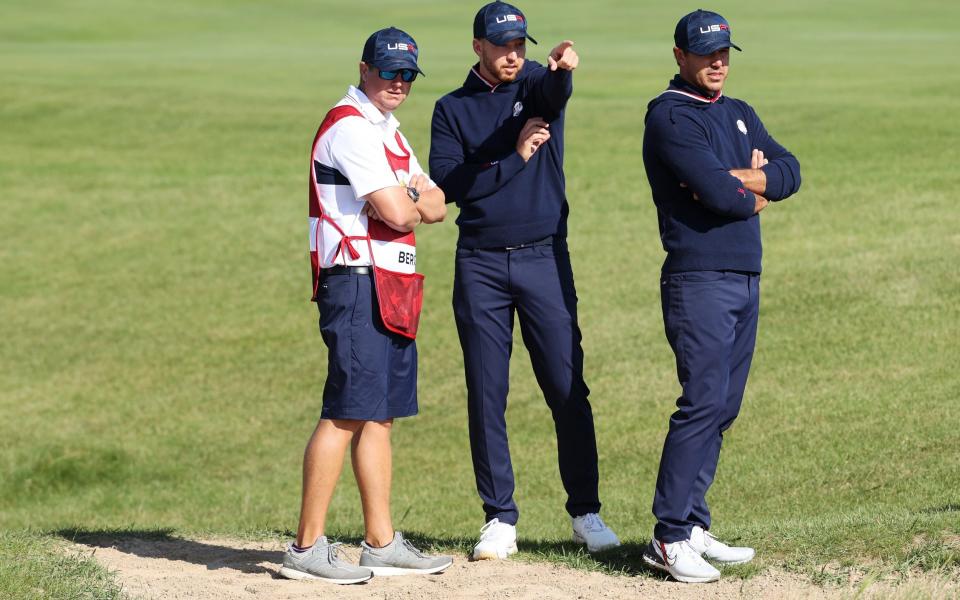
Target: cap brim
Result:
[[707, 49], [503, 37], [396, 65]]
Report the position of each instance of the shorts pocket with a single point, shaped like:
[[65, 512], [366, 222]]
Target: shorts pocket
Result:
[[336, 297]]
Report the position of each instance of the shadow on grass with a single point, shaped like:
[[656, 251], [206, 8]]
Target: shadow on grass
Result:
[[160, 544], [627, 560]]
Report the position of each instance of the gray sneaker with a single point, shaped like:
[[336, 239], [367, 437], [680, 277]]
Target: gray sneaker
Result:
[[399, 557], [321, 562]]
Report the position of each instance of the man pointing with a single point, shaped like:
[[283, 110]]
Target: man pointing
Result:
[[497, 151]]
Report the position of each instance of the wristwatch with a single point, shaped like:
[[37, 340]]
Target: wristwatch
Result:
[[413, 193]]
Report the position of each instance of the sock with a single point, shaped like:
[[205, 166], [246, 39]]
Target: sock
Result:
[[298, 549], [393, 539]]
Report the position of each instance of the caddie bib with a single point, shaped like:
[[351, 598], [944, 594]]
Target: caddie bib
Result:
[[393, 254]]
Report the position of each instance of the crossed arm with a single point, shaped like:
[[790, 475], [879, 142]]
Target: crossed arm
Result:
[[394, 207], [752, 179], [737, 193], [681, 143], [776, 174]]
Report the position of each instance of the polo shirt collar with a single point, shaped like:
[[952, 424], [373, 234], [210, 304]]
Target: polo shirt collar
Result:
[[476, 81], [679, 84], [371, 112]]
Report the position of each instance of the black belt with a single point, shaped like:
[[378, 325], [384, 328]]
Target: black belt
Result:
[[547, 241], [344, 270]]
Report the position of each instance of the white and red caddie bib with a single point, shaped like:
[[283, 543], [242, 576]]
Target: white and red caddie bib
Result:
[[334, 209]]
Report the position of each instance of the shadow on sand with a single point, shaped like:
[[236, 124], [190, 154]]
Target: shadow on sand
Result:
[[163, 544]]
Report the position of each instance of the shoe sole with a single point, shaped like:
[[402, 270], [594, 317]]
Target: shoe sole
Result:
[[580, 540], [494, 555], [289, 573], [730, 562], [684, 579], [655, 563], [397, 571]]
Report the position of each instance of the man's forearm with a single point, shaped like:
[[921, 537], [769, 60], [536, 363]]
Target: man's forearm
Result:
[[432, 205], [395, 208], [461, 180], [466, 182], [783, 177], [754, 180], [556, 87]]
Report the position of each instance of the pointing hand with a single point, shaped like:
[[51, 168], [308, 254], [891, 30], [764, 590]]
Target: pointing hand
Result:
[[563, 57]]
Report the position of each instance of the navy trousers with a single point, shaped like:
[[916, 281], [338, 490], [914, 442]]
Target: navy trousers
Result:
[[536, 283], [710, 318]]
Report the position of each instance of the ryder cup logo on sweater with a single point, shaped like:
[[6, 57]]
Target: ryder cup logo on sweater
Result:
[[742, 126], [517, 108]]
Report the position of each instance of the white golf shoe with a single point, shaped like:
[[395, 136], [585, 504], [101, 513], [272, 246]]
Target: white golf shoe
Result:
[[680, 560], [590, 529], [713, 549], [497, 540]]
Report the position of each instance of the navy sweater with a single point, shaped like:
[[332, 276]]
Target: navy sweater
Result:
[[503, 201], [696, 140]]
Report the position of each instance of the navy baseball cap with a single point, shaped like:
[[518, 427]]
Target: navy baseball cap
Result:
[[391, 49], [500, 23], [703, 32]]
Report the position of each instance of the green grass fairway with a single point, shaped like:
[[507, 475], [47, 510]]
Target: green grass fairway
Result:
[[160, 365], [32, 566]]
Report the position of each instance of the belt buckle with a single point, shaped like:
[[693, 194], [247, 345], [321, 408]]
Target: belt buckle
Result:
[[542, 242]]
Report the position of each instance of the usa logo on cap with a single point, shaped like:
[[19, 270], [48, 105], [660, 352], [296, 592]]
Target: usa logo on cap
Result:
[[703, 32], [402, 46], [391, 49], [500, 23]]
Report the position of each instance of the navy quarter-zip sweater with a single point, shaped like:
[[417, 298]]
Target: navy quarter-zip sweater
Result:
[[473, 157], [694, 139]]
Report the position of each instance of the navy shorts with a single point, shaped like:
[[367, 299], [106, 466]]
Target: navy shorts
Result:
[[371, 373]]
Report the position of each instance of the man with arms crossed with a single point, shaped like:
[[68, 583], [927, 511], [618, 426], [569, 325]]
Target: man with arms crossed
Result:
[[367, 193], [712, 168], [497, 151]]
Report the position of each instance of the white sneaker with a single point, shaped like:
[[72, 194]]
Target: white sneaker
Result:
[[681, 561], [497, 540], [711, 548], [592, 531]]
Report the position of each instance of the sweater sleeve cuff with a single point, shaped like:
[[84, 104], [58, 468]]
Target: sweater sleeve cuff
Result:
[[774, 176], [558, 84], [562, 76], [744, 208]]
